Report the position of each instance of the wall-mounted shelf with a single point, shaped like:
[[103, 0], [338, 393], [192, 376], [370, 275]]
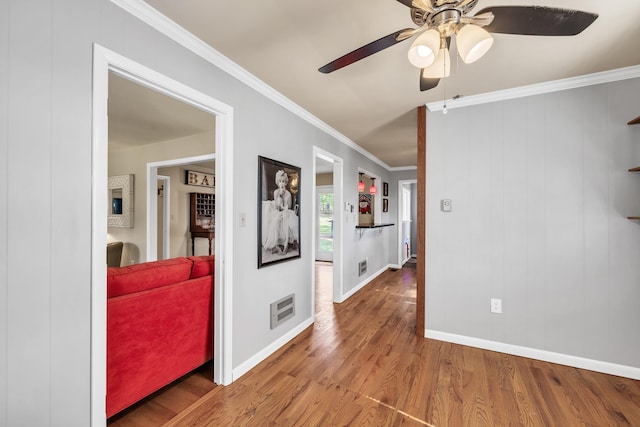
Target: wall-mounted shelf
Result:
[[363, 228], [634, 121]]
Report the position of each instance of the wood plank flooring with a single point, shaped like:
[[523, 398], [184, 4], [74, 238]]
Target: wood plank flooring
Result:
[[361, 363]]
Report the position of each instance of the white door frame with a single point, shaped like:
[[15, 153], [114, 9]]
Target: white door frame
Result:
[[402, 183], [166, 216], [104, 62], [338, 225]]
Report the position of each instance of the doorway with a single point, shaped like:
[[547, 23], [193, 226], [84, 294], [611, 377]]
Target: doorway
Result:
[[106, 62], [159, 234], [328, 221], [407, 220], [324, 222]]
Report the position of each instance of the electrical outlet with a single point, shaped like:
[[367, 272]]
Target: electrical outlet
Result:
[[445, 205], [496, 305], [243, 219]]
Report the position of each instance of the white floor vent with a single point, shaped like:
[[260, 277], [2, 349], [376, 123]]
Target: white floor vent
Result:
[[282, 310], [362, 267]]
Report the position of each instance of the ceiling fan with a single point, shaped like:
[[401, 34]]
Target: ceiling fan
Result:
[[439, 20]]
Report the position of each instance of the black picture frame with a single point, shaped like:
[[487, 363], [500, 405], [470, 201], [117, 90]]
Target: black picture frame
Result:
[[385, 205], [278, 212], [385, 189]]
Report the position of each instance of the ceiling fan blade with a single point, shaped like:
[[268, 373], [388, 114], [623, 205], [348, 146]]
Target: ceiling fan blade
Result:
[[363, 52], [427, 83], [408, 3], [419, 4], [481, 20], [403, 35], [538, 20]]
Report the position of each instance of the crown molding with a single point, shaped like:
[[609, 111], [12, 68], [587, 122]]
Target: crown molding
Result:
[[540, 88], [402, 168], [175, 32]]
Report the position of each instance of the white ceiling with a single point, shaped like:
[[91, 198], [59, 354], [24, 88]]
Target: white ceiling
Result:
[[373, 101], [139, 115]]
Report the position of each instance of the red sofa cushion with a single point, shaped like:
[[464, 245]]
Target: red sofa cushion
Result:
[[147, 275], [202, 266]]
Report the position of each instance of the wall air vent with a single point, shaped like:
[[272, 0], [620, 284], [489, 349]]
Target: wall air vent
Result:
[[282, 310], [362, 267]]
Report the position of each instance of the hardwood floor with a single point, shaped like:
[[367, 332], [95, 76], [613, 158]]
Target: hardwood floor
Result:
[[361, 363]]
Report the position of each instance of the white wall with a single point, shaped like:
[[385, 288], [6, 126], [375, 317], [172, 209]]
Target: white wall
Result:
[[45, 199], [4, 211], [540, 194]]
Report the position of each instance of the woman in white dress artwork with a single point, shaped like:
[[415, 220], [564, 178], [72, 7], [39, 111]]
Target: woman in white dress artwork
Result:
[[279, 222]]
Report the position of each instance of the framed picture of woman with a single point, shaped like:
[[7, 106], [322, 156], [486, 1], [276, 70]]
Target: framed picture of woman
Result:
[[278, 212]]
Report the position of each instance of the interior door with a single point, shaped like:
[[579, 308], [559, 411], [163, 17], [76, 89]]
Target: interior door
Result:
[[324, 223]]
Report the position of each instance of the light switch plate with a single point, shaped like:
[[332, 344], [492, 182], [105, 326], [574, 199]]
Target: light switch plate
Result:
[[496, 305]]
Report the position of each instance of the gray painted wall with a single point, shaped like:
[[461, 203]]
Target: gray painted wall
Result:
[[45, 199], [540, 194]]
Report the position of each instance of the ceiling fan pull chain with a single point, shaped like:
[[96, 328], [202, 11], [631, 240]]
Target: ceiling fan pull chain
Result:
[[444, 100]]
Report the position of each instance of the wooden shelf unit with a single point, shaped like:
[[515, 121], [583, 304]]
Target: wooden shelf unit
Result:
[[202, 217], [636, 169]]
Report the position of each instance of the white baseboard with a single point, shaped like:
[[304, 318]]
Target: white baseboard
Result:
[[270, 349], [532, 353], [364, 283]]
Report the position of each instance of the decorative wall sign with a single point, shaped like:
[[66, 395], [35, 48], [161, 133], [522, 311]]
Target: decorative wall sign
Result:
[[278, 211], [385, 189], [385, 205], [200, 179], [364, 204]]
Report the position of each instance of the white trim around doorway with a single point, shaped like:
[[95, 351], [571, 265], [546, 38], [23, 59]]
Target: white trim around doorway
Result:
[[104, 62]]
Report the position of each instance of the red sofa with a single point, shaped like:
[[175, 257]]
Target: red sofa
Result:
[[159, 325]]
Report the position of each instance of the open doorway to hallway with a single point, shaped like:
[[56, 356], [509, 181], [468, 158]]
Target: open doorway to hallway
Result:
[[328, 221], [407, 218]]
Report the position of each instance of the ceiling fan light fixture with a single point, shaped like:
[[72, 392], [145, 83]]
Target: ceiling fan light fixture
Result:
[[422, 52], [441, 67], [473, 42]]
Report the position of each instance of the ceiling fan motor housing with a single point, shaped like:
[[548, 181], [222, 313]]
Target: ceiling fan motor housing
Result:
[[440, 12]]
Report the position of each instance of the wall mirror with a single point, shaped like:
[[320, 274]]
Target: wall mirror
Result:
[[120, 201]]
